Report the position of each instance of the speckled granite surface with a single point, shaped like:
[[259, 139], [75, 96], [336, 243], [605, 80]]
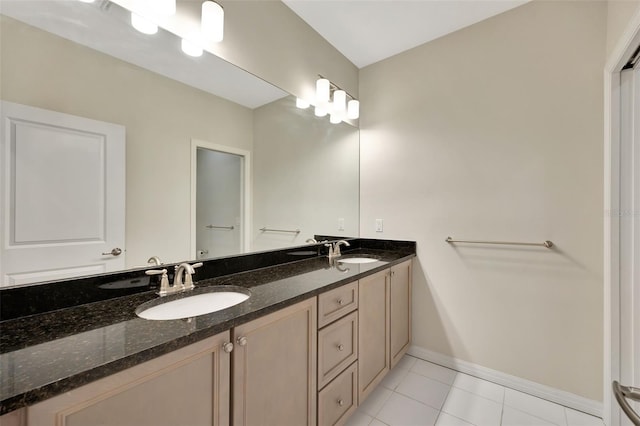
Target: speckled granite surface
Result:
[[50, 353]]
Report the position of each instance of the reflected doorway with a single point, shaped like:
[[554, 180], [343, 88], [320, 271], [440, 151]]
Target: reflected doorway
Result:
[[220, 198]]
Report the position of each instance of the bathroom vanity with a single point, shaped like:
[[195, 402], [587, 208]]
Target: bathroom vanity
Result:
[[313, 340]]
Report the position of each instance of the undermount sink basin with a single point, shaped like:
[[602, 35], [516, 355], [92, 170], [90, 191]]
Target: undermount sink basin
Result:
[[216, 299], [357, 260]]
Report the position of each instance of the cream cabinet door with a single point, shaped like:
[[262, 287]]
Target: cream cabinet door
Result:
[[373, 332], [189, 386], [274, 368], [400, 311]]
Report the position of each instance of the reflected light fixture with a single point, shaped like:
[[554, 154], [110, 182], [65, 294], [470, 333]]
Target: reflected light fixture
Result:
[[87, 1], [143, 24], [302, 104], [191, 48], [212, 21], [320, 111], [165, 7], [323, 91]]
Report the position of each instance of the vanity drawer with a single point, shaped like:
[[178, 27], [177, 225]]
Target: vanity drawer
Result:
[[336, 303], [337, 348], [337, 401]]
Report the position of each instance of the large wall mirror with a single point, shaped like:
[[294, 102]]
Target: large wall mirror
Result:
[[215, 161]]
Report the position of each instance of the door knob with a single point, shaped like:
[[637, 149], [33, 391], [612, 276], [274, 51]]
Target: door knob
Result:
[[115, 252], [622, 393]]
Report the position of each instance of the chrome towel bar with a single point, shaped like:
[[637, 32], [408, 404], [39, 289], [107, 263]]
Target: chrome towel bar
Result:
[[294, 231], [219, 227], [547, 244]]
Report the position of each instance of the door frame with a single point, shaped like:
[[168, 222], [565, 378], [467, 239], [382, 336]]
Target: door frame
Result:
[[245, 234], [624, 48]]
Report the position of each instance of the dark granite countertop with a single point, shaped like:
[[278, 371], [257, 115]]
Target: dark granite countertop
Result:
[[50, 353]]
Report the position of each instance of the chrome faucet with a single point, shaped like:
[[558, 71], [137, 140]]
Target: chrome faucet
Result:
[[334, 249], [184, 270]]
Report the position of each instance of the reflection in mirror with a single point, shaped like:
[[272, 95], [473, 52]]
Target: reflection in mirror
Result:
[[85, 61]]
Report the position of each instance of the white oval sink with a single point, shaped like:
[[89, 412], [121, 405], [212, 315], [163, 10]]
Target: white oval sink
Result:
[[357, 260], [192, 306]]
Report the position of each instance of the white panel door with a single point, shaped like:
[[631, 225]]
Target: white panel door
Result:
[[62, 195]]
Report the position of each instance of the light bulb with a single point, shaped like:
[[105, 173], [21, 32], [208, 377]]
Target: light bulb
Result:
[[320, 112], [191, 48], [165, 7], [142, 24], [322, 90], [302, 104], [339, 100], [212, 21], [353, 109]]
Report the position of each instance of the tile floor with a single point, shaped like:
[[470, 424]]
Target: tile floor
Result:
[[419, 393]]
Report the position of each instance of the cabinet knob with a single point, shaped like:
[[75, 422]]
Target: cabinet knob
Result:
[[341, 347], [393, 273], [340, 402], [227, 347], [242, 340], [340, 302]]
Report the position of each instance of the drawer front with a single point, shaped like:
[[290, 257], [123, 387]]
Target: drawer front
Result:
[[338, 400], [336, 303], [337, 348]]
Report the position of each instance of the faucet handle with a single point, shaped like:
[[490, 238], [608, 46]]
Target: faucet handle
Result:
[[164, 280]]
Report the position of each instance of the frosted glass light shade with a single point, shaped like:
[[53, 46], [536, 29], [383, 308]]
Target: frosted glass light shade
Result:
[[212, 21], [353, 109], [87, 1], [335, 118], [191, 48], [302, 104], [339, 100], [165, 7], [322, 90], [142, 24]]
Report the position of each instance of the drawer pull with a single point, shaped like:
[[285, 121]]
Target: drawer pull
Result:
[[341, 402], [227, 347], [242, 341], [340, 302], [341, 347]]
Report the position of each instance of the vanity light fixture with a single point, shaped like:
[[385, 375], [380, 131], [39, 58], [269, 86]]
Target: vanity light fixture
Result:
[[165, 7], [339, 109], [87, 1], [143, 24], [212, 21]]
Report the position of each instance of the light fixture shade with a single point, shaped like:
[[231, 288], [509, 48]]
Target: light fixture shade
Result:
[[339, 101], [191, 48], [142, 24], [165, 7], [353, 109], [322, 90], [302, 104], [320, 112], [87, 1], [335, 118], [212, 21]]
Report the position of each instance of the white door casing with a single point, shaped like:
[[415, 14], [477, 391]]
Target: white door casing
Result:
[[619, 317], [245, 185], [62, 195]]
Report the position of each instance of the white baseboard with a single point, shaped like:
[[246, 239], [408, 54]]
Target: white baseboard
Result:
[[561, 397]]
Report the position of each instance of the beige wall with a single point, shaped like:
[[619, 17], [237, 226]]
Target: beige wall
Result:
[[306, 175], [160, 115], [495, 132], [619, 14]]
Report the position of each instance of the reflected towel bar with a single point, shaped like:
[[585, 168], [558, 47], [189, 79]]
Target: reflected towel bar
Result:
[[265, 229], [547, 244], [220, 227]]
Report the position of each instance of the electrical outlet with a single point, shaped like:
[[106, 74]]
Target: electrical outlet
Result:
[[379, 225], [341, 224]]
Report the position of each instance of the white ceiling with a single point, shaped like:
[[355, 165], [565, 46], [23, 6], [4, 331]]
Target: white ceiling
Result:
[[367, 31]]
